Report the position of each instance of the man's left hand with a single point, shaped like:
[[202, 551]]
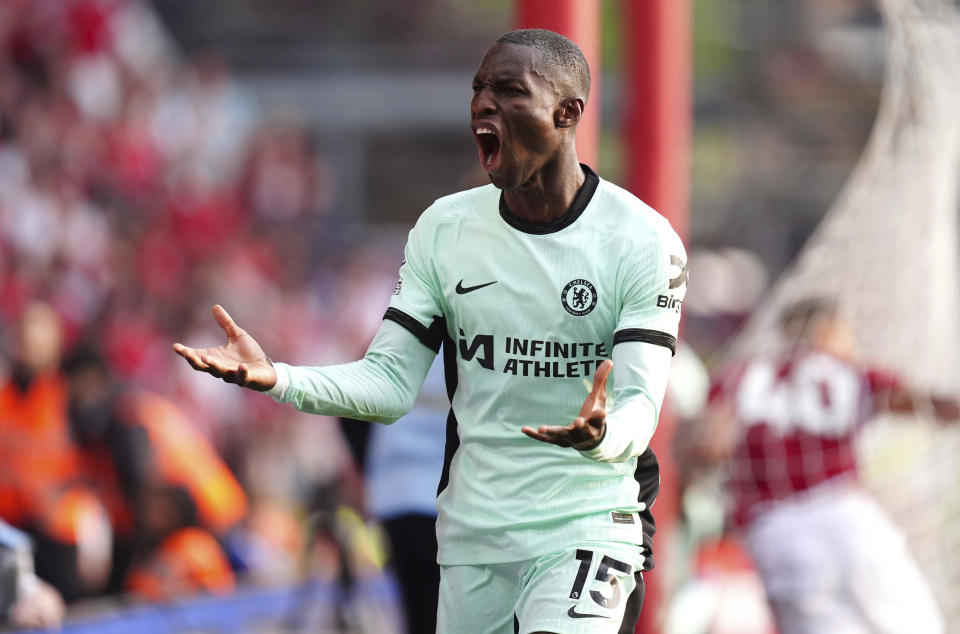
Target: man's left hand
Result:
[[587, 430]]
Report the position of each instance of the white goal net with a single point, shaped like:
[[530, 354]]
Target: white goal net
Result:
[[887, 253]]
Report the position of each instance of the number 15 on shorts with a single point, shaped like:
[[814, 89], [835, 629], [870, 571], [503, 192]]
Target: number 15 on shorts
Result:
[[604, 579]]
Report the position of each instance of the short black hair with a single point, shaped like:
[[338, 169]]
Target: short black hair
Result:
[[84, 356], [798, 317], [557, 52]]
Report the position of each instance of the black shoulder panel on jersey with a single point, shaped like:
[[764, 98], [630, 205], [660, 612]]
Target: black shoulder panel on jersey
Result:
[[590, 183], [655, 337], [431, 337]]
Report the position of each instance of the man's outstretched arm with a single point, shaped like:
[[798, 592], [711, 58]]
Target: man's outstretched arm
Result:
[[645, 338], [381, 387], [905, 400], [616, 435]]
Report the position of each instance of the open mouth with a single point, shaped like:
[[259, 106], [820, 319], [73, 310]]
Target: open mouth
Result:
[[488, 145]]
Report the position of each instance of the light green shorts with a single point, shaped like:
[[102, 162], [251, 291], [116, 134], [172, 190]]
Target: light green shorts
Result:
[[584, 589]]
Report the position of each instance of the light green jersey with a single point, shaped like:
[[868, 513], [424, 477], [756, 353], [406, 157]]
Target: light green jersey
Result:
[[526, 313]]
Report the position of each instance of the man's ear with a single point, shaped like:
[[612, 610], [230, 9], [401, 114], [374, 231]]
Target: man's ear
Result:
[[569, 112]]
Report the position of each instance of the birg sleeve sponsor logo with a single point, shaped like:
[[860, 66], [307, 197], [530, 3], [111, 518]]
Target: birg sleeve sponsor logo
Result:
[[679, 269]]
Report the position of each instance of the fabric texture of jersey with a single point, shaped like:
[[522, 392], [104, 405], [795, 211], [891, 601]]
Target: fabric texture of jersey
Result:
[[526, 313]]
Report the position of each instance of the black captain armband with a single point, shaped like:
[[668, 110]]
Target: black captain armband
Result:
[[643, 335]]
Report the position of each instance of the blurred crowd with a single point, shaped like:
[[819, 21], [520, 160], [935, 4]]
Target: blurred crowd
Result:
[[139, 186], [136, 189]]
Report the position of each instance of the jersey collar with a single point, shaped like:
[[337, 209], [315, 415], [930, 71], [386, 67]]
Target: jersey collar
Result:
[[590, 183]]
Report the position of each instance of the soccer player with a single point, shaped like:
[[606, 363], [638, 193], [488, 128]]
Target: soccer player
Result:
[[530, 285], [830, 559]]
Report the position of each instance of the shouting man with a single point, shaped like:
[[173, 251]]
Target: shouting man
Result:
[[530, 285]]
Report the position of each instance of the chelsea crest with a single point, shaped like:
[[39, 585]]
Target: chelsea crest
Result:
[[579, 297]]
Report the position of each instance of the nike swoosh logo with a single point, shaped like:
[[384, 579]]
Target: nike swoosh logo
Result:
[[573, 614], [463, 290]]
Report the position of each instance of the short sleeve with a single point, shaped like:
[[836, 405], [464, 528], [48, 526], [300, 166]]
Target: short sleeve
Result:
[[653, 285], [416, 302]]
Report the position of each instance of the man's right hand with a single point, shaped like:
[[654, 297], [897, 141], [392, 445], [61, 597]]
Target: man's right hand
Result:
[[241, 361]]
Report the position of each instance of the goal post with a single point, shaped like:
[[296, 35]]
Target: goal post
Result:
[[578, 20]]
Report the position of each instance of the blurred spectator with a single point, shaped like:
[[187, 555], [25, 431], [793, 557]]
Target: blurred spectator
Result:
[[830, 559], [281, 179], [25, 600], [403, 465], [132, 179], [112, 151], [174, 557], [400, 463], [41, 490], [144, 455]]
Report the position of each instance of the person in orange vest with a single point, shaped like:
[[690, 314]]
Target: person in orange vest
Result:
[[136, 443], [174, 557], [41, 489]]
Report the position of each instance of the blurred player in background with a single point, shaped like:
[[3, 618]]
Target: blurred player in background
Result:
[[530, 284], [830, 559]]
